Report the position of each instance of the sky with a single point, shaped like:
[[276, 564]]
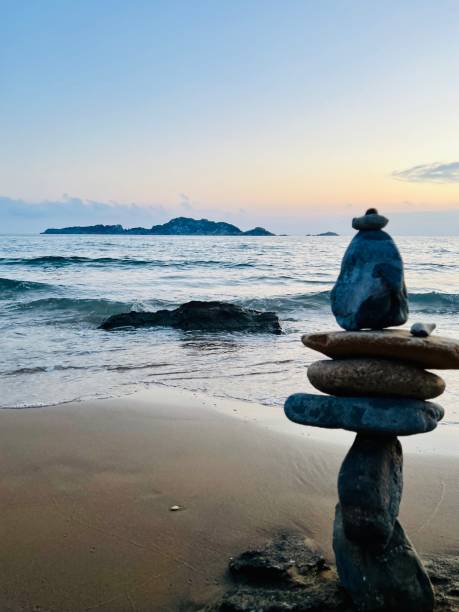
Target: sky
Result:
[[291, 114]]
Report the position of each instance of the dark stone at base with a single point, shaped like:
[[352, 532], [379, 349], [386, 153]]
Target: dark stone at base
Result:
[[370, 488], [316, 590], [289, 574], [282, 561], [372, 415], [392, 580], [205, 316], [370, 292]]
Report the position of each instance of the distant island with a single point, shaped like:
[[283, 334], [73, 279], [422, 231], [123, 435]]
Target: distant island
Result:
[[324, 234], [181, 226]]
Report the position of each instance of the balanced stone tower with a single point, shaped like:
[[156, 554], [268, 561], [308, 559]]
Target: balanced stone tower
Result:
[[378, 387]]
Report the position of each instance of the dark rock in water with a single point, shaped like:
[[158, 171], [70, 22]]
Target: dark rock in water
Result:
[[369, 221], [205, 316], [370, 376], [422, 330], [289, 574], [370, 292], [393, 580], [372, 415], [285, 560], [370, 489]]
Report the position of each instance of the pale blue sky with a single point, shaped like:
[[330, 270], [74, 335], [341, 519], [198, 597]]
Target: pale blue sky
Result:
[[259, 109]]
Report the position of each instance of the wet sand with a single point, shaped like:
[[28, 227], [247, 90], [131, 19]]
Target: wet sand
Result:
[[86, 491]]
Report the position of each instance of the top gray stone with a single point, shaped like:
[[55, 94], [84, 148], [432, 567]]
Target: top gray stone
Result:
[[370, 292], [370, 222]]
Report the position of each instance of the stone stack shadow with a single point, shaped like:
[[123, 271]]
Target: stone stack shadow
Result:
[[378, 387]]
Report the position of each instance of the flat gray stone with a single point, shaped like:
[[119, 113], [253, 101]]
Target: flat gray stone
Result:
[[434, 352], [370, 292], [393, 580], [372, 221], [377, 415], [371, 376], [370, 486]]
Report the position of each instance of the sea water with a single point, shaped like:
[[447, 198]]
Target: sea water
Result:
[[56, 290]]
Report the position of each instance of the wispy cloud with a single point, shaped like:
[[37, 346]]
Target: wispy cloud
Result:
[[185, 202], [430, 173]]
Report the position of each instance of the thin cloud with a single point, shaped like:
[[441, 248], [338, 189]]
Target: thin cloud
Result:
[[430, 173], [185, 202]]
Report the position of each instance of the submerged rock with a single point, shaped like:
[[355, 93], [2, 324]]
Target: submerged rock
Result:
[[393, 580], [373, 376], [433, 352], [370, 292], [370, 485], [205, 316], [372, 415]]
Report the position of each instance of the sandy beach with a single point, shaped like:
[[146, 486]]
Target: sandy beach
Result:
[[86, 492]]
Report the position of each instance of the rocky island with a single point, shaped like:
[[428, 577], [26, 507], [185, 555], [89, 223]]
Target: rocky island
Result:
[[180, 226]]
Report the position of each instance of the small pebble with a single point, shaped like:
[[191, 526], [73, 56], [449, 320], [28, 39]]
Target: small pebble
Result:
[[422, 330], [175, 508]]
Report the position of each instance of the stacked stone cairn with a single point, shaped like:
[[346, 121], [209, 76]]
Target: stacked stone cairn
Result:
[[378, 388]]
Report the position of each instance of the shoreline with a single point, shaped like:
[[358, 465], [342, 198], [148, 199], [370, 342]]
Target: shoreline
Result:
[[87, 489]]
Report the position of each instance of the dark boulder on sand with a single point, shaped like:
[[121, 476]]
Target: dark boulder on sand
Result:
[[204, 316]]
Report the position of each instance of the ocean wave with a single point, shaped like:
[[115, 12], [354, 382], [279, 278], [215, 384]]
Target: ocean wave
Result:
[[57, 261], [429, 302], [434, 301], [9, 287], [89, 310], [288, 303]]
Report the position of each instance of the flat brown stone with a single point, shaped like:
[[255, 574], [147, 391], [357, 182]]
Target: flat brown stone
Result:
[[433, 352], [373, 376]]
